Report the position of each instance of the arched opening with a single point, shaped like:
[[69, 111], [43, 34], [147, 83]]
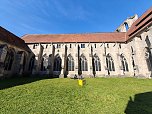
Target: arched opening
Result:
[[9, 59], [57, 63], [110, 63], [31, 64], [97, 64], [21, 61], [83, 63], [126, 26], [70, 63], [124, 63], [45, 64]]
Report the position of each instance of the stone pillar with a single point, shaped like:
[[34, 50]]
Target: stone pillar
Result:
[[116, 58], [63, 58], [40, 57], [119, 65], [104, 60], [90, 65], [76, 57], [52, 60], [14, 64]]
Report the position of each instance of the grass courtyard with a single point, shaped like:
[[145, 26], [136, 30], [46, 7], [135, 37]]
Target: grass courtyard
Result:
[[64, 96]]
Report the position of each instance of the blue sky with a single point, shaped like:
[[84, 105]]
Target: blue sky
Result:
[[67, 16]]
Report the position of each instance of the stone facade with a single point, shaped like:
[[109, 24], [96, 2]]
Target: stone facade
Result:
[[14, 55], [135, 54], [123, 53]]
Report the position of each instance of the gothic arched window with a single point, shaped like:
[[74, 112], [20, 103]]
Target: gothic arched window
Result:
[[70, 63], [83, 63], [110, 63], [57, 63], [124, 63], [31, 64], [126, 26], [9, 60], [97, 63]]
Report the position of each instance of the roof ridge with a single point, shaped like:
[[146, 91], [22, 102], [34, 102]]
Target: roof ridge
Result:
[[75, 33]]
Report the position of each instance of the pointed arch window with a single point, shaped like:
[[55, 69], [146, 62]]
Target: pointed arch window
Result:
[[31, 64], [126, 26], [97, 63], [9, 60], [57, 63], [70, 63], [124, 63], [83, 63], [110, 63], [44, 62]]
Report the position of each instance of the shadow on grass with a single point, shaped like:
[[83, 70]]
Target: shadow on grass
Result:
[[142, 104], [11, 82]]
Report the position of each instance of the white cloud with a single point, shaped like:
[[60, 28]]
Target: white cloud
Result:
[[71, 9]]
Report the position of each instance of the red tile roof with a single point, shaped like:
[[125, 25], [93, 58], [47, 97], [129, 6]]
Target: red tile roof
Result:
[[88, 37], [12, 39], [144, 21]]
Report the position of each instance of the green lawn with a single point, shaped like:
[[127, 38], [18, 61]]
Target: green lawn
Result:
[[64, 96]]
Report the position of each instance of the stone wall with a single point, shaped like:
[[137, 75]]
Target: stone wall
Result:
[[133, 51], [13, 60]]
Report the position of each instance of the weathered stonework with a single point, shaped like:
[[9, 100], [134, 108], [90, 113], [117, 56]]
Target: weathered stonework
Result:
[[14, 60], [124, 53]]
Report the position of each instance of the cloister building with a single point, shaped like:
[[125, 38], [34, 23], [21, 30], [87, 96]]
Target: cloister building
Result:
[[125, 52]]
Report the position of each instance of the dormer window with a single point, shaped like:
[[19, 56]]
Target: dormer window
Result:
[[34, 46], [95, 46], [58, 45], [70, 45], [82, 45], [120, 46]]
